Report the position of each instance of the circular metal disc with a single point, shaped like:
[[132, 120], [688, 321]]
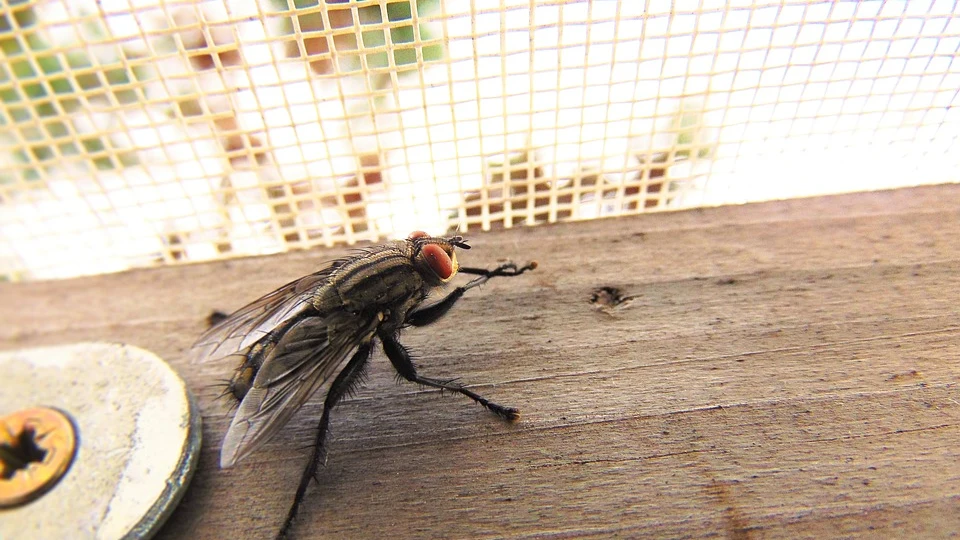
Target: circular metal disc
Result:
[[137, 439]]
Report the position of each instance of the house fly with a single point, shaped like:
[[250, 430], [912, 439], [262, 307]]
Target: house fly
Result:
[[315, 335]]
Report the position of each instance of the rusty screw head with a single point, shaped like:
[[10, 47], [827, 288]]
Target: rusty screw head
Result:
[[37, 447]]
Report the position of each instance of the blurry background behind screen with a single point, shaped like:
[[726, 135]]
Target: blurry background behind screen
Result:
[[145, 132]]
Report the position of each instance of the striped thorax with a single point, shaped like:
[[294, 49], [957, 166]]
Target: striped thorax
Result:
[[390, 279]]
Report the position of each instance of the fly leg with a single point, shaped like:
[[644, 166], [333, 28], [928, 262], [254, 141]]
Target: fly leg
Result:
[[506, 269], [400, 358], [431, 313], [341, 386]]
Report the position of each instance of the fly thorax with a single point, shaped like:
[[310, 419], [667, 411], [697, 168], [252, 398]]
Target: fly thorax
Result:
[[355, 284], [327, 299], [393, 284]]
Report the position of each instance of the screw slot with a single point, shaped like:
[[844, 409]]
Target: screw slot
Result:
[[19, 455], [37, 447]]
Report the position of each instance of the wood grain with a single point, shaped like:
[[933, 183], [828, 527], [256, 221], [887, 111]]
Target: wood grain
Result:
[[786, 369]]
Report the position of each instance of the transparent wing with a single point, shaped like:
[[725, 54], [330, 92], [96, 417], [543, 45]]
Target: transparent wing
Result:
[[253, 321], [305, 359]]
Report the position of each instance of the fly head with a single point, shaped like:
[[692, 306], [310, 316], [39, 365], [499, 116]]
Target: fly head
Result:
[[435, 257]]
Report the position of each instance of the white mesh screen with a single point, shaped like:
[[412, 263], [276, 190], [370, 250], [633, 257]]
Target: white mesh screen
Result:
[[142, 132]]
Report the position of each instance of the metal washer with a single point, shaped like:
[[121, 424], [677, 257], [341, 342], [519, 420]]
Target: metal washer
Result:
[[138, 439]]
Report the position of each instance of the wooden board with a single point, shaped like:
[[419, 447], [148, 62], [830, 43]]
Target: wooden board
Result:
[[786, 369]]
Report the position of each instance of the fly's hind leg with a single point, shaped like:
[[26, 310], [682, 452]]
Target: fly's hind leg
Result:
[[400, 358], [340, 387], [431, 313]]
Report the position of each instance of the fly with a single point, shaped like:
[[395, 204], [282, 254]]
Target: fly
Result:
[[316, 334]]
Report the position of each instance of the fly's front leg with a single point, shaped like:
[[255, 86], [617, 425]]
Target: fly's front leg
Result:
[[400, 358], [507, 269], [341, 385], [431, 313]]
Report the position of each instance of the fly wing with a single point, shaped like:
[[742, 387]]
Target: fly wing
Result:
[[305, 359], [255, 320]]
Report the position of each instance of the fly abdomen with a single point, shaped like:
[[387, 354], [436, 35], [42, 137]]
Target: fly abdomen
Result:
[[242, 379], [253, 359]]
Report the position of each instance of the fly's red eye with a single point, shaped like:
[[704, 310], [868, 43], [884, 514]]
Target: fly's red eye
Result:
[[417, 234], [438, 260]]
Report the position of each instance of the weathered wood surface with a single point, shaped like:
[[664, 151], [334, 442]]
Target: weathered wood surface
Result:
[[786, 369]]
